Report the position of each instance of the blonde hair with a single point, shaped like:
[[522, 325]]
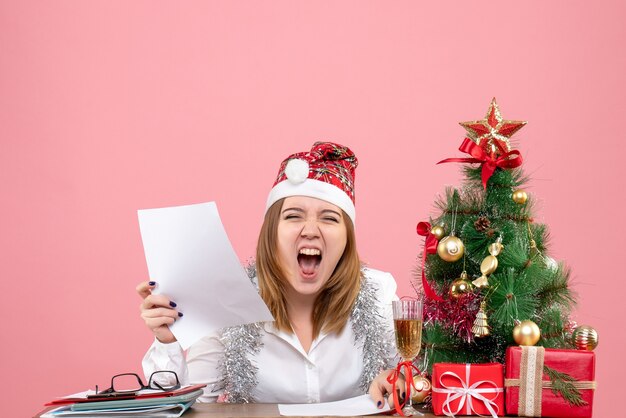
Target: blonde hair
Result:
[[333, 305]]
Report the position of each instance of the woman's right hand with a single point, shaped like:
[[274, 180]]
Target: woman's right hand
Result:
[[157, 311], [381, 388]]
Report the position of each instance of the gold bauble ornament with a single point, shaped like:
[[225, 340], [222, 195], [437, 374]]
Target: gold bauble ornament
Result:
[[585, 338], [438, 231], [520, 196], [423, 387], [526, 333], [461, 286], [450, 248]]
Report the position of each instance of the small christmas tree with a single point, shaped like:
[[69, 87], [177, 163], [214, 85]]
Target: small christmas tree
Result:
[[485, 266]]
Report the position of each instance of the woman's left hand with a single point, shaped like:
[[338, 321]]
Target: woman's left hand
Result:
[[381, 386]]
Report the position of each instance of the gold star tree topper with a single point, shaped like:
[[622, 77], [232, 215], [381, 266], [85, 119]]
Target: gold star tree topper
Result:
[[493, 133]]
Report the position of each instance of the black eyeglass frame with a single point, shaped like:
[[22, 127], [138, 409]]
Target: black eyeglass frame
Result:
[[151, 385]]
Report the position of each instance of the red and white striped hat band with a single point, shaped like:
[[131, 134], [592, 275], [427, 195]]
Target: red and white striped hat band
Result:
[[326, 172]]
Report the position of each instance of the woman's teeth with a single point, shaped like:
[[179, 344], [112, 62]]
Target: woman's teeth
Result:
[[310, 251]]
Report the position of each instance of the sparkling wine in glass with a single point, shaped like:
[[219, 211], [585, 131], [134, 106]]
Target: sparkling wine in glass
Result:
[[407, 318]]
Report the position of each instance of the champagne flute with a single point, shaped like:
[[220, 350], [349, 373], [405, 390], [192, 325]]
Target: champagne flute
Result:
[[407, 318]]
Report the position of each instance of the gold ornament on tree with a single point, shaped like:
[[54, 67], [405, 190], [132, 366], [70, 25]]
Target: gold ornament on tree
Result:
[[489, 264], [423, 386], [461, 286], [438, 231], [526, 333], [585, 338], [520, 196], [451, 248], [480, 328]]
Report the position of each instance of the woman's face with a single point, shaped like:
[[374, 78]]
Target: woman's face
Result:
[[311, 239]]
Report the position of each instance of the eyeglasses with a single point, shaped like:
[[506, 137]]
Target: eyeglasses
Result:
[[130, 383]]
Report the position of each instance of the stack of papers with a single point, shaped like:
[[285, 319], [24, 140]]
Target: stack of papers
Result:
[[158, 411], [165, 405]]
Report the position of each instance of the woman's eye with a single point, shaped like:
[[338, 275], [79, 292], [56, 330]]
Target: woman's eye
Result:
[[331, 219], [292, 217]]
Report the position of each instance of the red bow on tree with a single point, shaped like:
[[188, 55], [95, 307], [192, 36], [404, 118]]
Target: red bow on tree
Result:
[[489, 161], [430, 247]]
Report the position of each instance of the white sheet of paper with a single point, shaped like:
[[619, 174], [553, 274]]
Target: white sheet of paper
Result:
[[360, 405], [80, 395], [191, 259]]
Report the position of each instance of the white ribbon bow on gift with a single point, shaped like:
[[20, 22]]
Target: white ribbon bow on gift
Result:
[[467, 393]]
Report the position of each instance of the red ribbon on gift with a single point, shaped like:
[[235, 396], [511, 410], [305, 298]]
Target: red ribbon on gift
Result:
[[408, 376], [489, 161], [430, 247]]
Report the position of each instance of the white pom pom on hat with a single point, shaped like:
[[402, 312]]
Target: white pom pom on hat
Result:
[[297, 170]]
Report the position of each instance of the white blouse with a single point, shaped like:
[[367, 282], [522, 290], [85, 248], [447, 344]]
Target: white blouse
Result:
[[286, 373]]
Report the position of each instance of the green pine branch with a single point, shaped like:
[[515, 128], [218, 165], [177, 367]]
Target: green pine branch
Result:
[[449, 204], [512, 298], [440, 345], [552, 322], [541, 235], [555, 289], [562, 384], [500, 179], [516, 249]]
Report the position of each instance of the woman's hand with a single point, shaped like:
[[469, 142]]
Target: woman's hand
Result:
[[157, 311], [380, 387]]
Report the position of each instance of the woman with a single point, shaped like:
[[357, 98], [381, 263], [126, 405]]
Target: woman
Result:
[[332, 337]]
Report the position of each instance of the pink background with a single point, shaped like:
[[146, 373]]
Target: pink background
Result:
[[107, 107]]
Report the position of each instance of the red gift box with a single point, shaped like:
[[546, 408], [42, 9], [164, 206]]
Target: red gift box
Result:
[[468, 389], [529, 390]]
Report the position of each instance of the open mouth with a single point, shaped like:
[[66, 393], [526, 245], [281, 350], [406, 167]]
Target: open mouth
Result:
[[309, 259]]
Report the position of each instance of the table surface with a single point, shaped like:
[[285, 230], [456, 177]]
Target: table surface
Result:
[[223, 410], [243, 410]]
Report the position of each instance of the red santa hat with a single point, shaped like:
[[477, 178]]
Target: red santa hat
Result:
[[326, 172]]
